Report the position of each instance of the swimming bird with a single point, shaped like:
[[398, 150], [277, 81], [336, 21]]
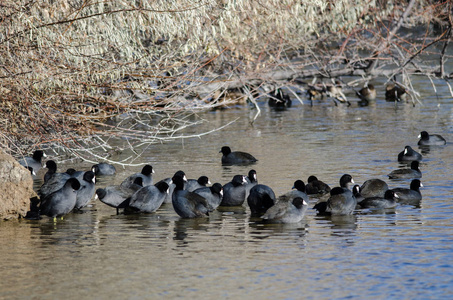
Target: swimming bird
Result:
[[427, 139], [146, 174], [315, 186], [298, 190], [87, 189], [412, 173], [373, 188], [62, 201], [286, 211], [260, 199], [388, 201], [252, 180], [171, 185], [341, 200], [234, 192], [188, 204], [148, 199], [212, 194], [115, 195], [103, 169], [409, 154], [236, 157], [411, 196], [35, 161], [193, 184]]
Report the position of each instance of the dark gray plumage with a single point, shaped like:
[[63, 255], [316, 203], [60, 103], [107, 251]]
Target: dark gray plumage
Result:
[[146, 174], [412, 173], [188, 204], [315, 186], [411, 196], [236, 157], [286, 211], [298, 190], [388, 201], [374, 188], [168, 198], [62, 201], [87, 189], [427, 139], [409, 154], [35, 161], [260, 199], [234, 192], [193, 184], [212, 194], [103, 169], [51, 169], [115, 195], [148, 199]]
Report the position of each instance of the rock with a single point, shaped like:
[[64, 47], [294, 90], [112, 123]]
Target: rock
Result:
[[16, 188]]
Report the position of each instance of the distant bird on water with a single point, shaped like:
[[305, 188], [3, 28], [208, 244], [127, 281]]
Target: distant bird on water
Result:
[[427, 139], [236, 157]]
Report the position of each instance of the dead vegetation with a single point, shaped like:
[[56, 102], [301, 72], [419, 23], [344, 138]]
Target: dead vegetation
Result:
[[76, 74]]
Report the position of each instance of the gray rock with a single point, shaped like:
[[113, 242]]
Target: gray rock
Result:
[[16, 188]]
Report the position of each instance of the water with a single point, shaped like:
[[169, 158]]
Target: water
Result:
[[405, 253]]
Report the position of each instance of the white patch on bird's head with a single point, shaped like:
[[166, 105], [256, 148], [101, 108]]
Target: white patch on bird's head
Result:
[[421, 184], [352, 180], [304, 203], [396, 195], [184, 178], [244, 180], [96, 197]]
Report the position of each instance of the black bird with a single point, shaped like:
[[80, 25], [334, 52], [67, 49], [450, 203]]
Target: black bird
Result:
[[51, 169], [146, 174], [388, 201], [411, 196], [236, 157], [35, 161], [315, 186], [260, 199], [87, 189], [298, 190], [148, 199], [409, 154], [286, 211], [103, 169], [427, 139], [234, 192], [115, 195], [188, 204], [373, 188], [412, 173], [341, 200], [62, 201], [193, 184], [171, 185], [212, 194]]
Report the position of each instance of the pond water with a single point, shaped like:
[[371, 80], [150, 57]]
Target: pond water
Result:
[[403, 253]]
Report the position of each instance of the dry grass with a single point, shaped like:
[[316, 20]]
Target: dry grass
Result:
[[70, 67]]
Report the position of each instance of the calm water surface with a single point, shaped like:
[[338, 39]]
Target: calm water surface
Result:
[[402, 254]]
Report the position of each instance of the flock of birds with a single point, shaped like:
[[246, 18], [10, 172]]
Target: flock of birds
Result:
[[62, 193]]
